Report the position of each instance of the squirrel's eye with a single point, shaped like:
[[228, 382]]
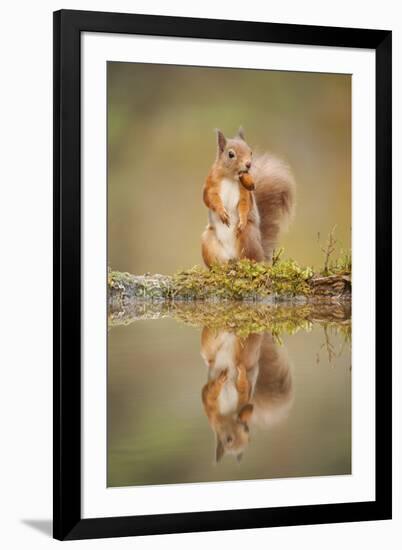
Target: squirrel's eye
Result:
[[231, 154]]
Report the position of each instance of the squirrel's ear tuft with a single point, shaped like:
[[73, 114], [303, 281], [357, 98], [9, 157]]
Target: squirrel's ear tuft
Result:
[[221, 141], [240, 133]]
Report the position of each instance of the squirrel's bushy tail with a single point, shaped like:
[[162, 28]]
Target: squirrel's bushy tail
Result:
[[275, 194], [273, 396]]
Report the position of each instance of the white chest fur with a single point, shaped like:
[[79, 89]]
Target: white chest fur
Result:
[[230, 195], [225, 359]]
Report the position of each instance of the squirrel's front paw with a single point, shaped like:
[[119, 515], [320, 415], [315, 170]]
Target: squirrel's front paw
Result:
[[223, 375], [241, 370], [241, 226], [224, 216]]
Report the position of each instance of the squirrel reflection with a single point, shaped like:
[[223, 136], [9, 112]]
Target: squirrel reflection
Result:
[[249, 384]]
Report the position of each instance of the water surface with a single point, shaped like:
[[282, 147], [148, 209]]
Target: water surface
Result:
[[160, 430]]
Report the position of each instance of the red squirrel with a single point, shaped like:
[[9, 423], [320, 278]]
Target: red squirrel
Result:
[[249, 200], [249, 386]]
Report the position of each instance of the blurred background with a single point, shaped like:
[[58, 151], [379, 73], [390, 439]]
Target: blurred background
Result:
[[161, 144]]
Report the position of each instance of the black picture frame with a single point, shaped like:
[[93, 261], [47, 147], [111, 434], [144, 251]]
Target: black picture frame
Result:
[[68, 26]]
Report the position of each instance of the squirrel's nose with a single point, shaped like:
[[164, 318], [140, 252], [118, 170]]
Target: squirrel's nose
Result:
[[248, 165]]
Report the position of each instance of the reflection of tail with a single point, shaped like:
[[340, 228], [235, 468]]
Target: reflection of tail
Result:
[[273, 395], [275, 194]]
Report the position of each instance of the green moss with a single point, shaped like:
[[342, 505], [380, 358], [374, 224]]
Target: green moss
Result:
[[341, 266], [118, 279], [243, 280], [239, 280]]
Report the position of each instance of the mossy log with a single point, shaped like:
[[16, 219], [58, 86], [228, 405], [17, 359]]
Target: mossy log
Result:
[[285, 282]]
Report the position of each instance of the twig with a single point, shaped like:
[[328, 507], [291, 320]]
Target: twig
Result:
[[329, 247]]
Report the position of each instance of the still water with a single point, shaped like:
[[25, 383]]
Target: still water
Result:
[[195, 404]]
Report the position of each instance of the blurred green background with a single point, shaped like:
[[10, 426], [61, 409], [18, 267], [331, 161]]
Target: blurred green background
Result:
[[161, 144]]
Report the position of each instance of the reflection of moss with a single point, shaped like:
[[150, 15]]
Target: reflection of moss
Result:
[[238, 317], [246, 320]]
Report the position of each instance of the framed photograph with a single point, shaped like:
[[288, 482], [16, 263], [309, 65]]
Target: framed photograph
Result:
[[214, 183]]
